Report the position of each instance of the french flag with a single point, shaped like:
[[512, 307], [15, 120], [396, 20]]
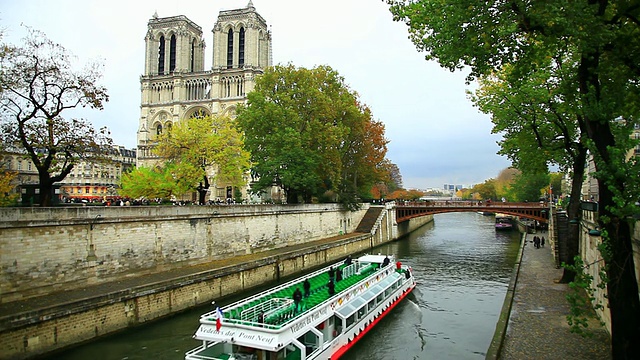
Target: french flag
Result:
[[219, 318]]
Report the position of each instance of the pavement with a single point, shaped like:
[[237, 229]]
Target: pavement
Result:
[[537, 327]]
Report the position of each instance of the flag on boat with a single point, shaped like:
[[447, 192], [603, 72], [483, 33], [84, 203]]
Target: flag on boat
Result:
[[219, 319]]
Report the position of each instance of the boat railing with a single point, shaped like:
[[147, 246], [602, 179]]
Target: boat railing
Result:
[[349, 270], [267, 308]]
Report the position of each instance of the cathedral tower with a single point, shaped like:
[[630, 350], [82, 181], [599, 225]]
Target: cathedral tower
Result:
[[175, 85]]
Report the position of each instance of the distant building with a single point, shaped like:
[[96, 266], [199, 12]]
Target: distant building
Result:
[[175, 85], [98, 181], [87, 181]]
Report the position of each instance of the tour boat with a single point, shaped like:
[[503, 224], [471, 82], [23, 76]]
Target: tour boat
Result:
[[267, 325]]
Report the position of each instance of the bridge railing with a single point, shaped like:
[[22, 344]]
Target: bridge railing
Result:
[[471, 203]]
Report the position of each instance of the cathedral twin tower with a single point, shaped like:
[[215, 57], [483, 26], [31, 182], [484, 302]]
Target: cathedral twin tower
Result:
[[175, 85]]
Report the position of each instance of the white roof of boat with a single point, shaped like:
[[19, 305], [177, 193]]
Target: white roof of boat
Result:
[[374, 258]]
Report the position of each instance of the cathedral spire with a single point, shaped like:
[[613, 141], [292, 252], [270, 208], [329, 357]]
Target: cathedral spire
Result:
[[250, 5]]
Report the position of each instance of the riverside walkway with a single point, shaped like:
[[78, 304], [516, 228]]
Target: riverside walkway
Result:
[[537, 327]]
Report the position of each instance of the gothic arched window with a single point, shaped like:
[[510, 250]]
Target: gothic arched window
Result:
[[198, 114], [230, 49], [193, 55], [161, 56], [172, 54], [241, 46], [159, 129]]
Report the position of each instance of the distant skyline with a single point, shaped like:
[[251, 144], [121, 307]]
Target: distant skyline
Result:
[[436, 136]]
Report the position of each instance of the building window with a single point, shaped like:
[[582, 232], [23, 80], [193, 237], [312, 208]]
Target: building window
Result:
[[172, 54], [86, 190], [161, 56], [241, 46], [230, 49], [159, 129], [193, 55]]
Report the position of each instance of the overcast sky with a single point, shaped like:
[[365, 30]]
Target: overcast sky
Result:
[[436, 136]]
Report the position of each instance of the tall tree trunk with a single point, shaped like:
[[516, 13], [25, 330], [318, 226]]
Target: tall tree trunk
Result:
[[574, 211], [622, 287], [45, 187]]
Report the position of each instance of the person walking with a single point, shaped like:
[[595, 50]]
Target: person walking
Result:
[[542, 241], [307, 288], [297, 297], [332, 288]]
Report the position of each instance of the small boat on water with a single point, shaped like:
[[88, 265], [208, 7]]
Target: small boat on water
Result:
[[322, 325], [503, 223]]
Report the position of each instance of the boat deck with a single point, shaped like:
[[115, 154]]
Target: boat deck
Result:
[[276, 307]]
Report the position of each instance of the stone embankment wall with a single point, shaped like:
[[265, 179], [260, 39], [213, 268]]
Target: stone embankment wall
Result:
[[51, 249]]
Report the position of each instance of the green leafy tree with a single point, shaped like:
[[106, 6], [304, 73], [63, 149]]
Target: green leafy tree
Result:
[[596, 44], [153, 183], [39, 85], [528, 187], [198, 149], [486, 190], [539, 129], [307, 134]]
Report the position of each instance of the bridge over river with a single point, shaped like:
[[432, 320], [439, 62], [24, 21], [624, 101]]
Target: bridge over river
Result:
[[408, 210]]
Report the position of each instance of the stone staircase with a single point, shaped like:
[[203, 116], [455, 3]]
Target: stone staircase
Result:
[[370, 219]]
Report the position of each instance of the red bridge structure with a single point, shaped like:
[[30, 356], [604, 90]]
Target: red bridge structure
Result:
[[408, 210]]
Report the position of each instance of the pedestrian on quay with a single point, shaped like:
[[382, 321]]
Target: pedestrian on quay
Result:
[[542, 241]]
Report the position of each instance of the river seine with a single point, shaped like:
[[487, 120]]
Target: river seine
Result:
[[462, 266]]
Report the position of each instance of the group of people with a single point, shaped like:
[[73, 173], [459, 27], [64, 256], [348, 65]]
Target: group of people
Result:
[[335, 275], [538, 241]]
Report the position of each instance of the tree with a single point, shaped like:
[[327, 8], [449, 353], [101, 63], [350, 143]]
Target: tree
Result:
[[504, 181], [486, 190], [539, 129], [153, 183], [308, 134], [6, 187], [363, 157], [596, 43], [528, 187], [199, 148], [39, 85]]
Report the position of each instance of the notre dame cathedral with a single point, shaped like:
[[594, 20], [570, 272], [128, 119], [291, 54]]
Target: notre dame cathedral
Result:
[[175, 85]]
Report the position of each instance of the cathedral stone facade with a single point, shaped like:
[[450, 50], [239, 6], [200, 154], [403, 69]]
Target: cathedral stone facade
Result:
[[175, 85]]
